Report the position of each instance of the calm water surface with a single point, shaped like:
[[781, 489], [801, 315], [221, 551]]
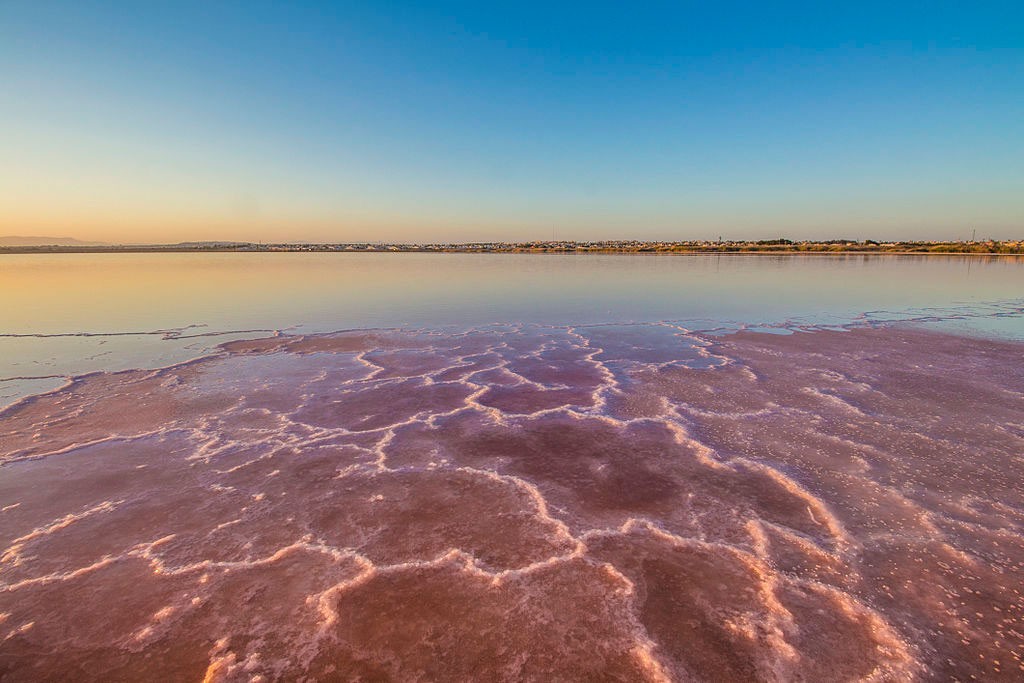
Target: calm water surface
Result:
[[409, 504], [176, 306]]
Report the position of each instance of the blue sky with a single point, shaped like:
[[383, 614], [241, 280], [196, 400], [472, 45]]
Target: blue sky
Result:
[[474, 121]]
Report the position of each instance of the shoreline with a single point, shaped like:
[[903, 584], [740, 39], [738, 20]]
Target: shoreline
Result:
[[667, 248]]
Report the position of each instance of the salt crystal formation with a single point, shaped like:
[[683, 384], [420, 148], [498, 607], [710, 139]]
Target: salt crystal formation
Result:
[[523, 503]]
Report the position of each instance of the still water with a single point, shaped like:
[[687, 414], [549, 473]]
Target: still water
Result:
[[550, 498], [73, 313]]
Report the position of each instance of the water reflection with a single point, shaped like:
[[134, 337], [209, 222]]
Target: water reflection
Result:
[[190, 295]]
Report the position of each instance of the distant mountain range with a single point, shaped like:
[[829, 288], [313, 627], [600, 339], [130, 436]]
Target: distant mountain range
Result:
[[43, 240]]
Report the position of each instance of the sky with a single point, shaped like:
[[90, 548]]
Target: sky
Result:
[[475, 121]]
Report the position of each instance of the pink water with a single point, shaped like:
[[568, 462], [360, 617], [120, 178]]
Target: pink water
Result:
[[524, 503]]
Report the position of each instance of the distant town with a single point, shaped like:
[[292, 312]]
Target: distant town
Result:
[[774, 246]]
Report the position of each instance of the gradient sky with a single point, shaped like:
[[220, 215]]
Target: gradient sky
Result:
[[350, 121]]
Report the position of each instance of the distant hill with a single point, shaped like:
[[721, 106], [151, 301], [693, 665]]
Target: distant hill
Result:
[[42, 240]]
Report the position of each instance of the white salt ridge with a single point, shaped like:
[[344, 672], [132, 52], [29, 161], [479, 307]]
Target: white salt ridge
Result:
[[523, 502]]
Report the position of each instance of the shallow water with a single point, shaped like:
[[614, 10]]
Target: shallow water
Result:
[[535, 501], [630, 503], [147, 310]]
